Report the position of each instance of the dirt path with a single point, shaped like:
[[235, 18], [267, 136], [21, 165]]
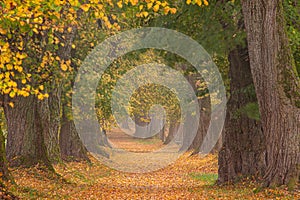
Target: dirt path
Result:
[[187, 178]]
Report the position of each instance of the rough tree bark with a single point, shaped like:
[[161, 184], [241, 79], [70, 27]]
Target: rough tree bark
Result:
[[26, 124], [242, 153], [277, 87], [52, 106]]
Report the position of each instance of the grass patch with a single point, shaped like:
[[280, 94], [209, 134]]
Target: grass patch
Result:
[[209, 179]]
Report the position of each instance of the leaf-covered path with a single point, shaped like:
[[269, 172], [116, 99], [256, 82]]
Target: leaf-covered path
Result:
[[188, 178]]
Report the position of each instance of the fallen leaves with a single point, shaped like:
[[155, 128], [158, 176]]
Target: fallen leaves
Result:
[[190, 177]]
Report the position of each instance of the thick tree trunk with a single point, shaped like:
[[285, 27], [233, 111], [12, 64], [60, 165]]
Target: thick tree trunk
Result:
[[26, 125], [243, 152], [71, 146], [277, 87]]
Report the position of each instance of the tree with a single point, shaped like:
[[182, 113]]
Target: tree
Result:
[[243, 150], [277, 88]]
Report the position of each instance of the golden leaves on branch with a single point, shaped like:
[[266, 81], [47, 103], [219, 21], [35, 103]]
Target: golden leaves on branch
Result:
[[148, 7], [197, 2]]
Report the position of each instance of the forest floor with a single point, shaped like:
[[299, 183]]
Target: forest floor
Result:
[[189, 177]]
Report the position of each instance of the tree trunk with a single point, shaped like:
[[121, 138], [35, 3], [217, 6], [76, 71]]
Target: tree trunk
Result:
[[52, 122], [161, 133], [243, 151], [3, 162], [71, 146], [173, 128], [26, 125], [140, 126], [277, 87], [204, 122]]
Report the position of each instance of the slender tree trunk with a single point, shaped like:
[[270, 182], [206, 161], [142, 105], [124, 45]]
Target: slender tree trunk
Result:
[[243, 152], [187, 138], [26, 127], [204, 122], [173, 128], [161, 133], [277, 87]]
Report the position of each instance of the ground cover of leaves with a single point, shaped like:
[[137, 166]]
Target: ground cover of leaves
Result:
[[190, 177]]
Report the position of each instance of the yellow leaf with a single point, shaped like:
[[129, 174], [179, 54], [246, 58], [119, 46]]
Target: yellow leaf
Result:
[[156, 8], [23, 81], [35, 30], [141, 7], [149, 5], [11, 104], [41, 87], [85, 7], [198, 2], [2, 31], [12, 94], [134, 2], [73, 2], [6, 91], [114, 17], [100, 6], [205, 2], [23, 93], [19, 68], [120, 4], [68, 62], [21, 55], [188, 2], [173, 10], [64, 67], [145, 14], [9, 67], [164, 4], [70, 29], [40, 96], [73, 46], [166, 10]]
